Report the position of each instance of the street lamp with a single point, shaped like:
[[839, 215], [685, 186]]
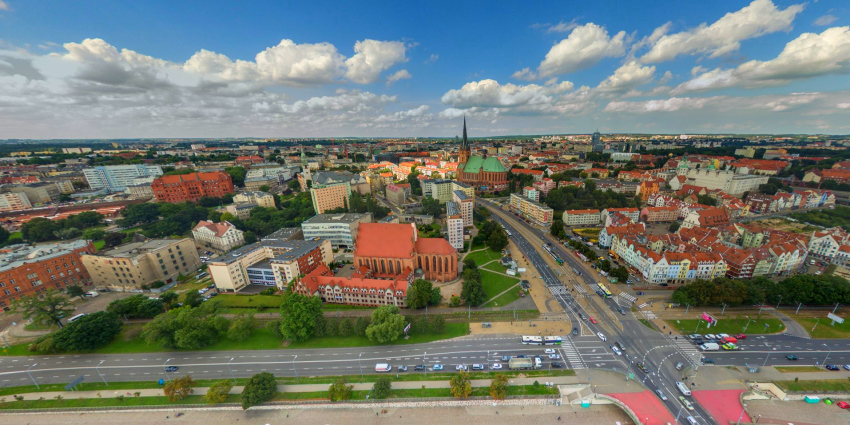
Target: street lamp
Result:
[[742, 414], [767, 356], [97, 368], [229, 369], [361, 364], [780, 300], [31, 377], [294, 369], [165, 369], [827, 353], [424, 362]]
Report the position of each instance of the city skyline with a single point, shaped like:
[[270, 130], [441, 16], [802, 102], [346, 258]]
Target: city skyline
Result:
[[192, 70]]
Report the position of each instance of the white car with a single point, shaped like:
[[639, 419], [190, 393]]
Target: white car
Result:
[[460, 367], [601, 336], [497, 366], [617, 351], [549, 351], [710, 336], [722, 336], [661, 395], [554, 357]]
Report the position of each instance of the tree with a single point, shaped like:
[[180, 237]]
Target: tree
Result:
[[460, 385], [436, 324], [179, 388], [345, 327], [47, 309], [436, 297], [387, 324], [187, 328], [218, 392], [136, 307], [360, 326], [168, 298], [242, 327], [193, 299], [88, 332], [382, 387], [339, 390], [621, 273], [419, 294], [432, 207], [674, 227], [299, 314], [260, 388], [472, 291], [499, 387], [4, 235], [93, 234], [497, 241], [75, 291], [113, 239], [557, 229], [237, 174], [294, 185], [264, 188], [40, 229]]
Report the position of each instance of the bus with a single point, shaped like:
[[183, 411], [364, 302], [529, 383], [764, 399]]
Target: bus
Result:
[[75, 318], [551, 340], [532, 340], [604, 289], [508, 232]]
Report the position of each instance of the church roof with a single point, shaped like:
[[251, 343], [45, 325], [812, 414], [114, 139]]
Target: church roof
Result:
[[387, 240], [473, 164], [491, 164]]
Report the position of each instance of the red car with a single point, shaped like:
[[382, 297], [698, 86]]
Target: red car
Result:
[[592, 320], [843, 405], [741, 336]]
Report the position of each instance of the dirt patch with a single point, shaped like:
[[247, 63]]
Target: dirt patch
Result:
[[784, 224], [522, 327]]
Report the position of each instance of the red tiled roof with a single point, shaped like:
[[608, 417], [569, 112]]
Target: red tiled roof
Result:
[[218, 228], [387, 240], [438, 246]]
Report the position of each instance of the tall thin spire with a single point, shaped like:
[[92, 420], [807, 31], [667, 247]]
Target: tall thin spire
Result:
[[464, 143]]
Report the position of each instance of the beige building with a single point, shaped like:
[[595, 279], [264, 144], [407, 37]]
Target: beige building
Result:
[[581, 217], [221, 236], [14, 202], [262, 199], [132, 265], [534, 211], [240, 211], [140, 191]]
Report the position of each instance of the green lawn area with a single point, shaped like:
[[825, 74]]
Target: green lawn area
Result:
[[495, 266], [250, 301], [108, 401], [99, 244], [484, 256], [592, 233], [647, 324], [452, 330], [495, 283], [798, 369], [841, 385], [824, 328], [728, 326]]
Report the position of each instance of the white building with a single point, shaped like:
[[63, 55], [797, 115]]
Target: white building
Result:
[[339, 229], [221, 236], [14, 201], [581, 217], [116, 178], [454, 223], [466, 205], [262, 199]]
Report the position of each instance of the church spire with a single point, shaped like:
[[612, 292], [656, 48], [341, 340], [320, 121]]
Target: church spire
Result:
[[464, 143]]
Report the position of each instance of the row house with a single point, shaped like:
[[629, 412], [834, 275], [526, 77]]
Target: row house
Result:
[[639, 176], [632, 213], [825, 244], [565, 183], [709, 217], [607, 233], [537, 174], [659, 214]]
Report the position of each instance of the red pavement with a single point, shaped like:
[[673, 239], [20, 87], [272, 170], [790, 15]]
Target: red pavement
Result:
[[724, 405], [646, 406]]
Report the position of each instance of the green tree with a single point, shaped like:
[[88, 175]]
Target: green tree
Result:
[[460, 385], [382, 387], [193, 299], [218, 392], [168, 298], [187, 328], [47, 309], [339, 390], [499, 387], [294, 185], [4, 235], [260, 388], [299, 314], [497, 241], [346, 328], [136, 307], [621, 273], [113, 239], [179, 388], [75, 291], [436, 324], [88, 332], [557, 229], [242, 327], [436, 297], [419, 294], [674, 227], [360, 326], [237, 174], [93, 234], [387, 324], [432, 207], [472, 291], [40, 229], [139, 214]]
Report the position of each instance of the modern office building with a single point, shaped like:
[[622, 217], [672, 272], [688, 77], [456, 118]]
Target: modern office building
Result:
[[116, 178], [129, 266], [339, 229]]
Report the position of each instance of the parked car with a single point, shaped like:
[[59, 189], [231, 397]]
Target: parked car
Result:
[[843, 405], [832, 367], [460, 367], [506, 358], [401, 368], [557, 364], [695, 336], [554, 357], [846, 367], [792, 357], [640, 292], [698, 342], [438, 367], [419, 368], [477, 366], [496, 366], [661, 395]]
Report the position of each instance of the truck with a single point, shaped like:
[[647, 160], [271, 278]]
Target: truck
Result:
[[709, 346], [516, 363]]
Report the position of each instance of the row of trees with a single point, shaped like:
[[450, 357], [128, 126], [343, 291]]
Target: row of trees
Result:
[[803, 288], [86, 333], [193, 328], [472, 290], [492, 235], [41, 229], [574, 198]]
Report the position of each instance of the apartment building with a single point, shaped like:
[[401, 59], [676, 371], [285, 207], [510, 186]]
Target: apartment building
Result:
[[534, 211], [116, 178], [14, 202], [442, 190], [454, 225], [262, 199], [339, 229], [531, 193], [129, 266], [222, 236], [466, 205], [397, 194], [581, 217], [37, 193], [192, 187], [659, 214], [632, 213], [28, 270], [330, 190]]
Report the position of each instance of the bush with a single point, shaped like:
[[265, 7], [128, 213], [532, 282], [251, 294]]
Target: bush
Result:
[[274, 328], [382, 387], [339, 390]]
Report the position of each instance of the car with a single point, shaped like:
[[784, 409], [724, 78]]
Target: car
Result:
[[557, 364], [592, 320], [171, 368], [695, 336], [522, 356], [460, 367], [620, 309], [601, 336], [698, 342], [686, 403], [710, 336], [477, 366], [554, 356], [496, 366], [722, 335], [679, 366], [616, 351], [401, 368], [640, 292], [506, 358], [661, 395], [549, 351], [846, 367], [792, 357], [438, 367], [642, 367], [843, 405], [831, 367], [663, 284], [707, 360], [419, 368], [741, 336]]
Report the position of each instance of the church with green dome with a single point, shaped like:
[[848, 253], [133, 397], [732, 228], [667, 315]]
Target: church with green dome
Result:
[[485, 174]]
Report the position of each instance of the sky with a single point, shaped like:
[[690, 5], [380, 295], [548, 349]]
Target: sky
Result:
[[121, 69]]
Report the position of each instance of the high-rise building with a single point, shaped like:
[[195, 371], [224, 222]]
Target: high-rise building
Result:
[[116, 178], [454, 225], [330, 190], [191, 187]]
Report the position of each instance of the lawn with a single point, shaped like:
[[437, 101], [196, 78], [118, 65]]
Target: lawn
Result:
[[495, 266], [99, 244], [592, 233], [494, 283], [798, 369], [108, 402], [841, 385], [647, 324], [503, 300], [452, 330], [824, 328], [728, 326], [250, 301], [484, 256]]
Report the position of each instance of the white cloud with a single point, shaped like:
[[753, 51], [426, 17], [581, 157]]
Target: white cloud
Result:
[[666, 77], [725, 35], [843, 106], [585, 46], [525, 74], [562, 26], [401, 74], [809, 55], [627, 77], [3, 5], [825, 20], [489, 93], [662, 105], [433, 58], [373, 57], [418, 113]]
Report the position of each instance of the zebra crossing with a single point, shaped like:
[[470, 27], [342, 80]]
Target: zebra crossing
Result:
[[687, 349], [559, 291], [625, 299], [643, 305], [570, 353]]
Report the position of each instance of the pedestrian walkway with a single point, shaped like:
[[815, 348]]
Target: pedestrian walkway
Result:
[[570, 353], [627, 299]]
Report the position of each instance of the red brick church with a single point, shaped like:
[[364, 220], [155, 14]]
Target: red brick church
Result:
[[485, 174]]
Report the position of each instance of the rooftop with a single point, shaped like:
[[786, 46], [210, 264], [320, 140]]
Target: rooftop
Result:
[[134, 249], [17, 255], [338, 218]]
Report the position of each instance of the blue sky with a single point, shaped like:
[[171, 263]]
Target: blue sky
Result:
[[105, 69]]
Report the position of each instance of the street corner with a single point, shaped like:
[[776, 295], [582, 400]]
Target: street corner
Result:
[[723, 405], [645, 406]]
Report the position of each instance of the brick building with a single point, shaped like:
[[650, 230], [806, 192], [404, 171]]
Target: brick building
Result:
[[192, 187]]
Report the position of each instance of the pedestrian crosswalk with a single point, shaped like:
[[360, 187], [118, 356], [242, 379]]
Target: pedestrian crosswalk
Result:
[[643, 305], [570, 353], [559, 291], [625, 299], [687, 349]]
